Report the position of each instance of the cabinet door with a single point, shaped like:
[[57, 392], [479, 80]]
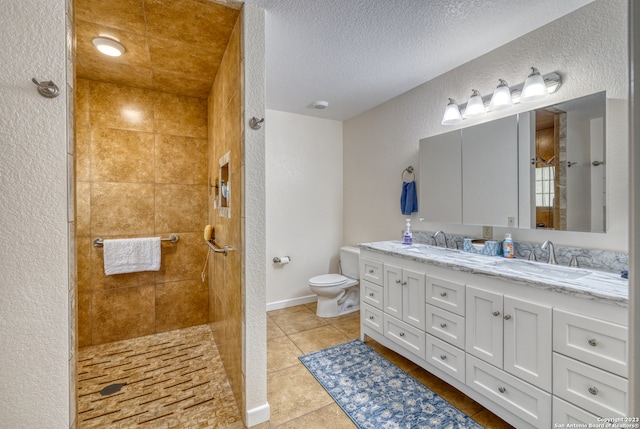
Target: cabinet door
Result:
[[413, 298], [527, 341], [490, 173], [392, 290], [441, 200], [484, 325]]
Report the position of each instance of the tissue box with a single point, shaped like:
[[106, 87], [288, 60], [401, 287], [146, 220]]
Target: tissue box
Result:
[[488, 247]]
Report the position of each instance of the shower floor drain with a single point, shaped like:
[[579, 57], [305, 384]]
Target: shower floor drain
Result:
[[112, 388]]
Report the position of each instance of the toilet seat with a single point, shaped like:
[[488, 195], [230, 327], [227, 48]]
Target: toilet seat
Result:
[[326, 280]]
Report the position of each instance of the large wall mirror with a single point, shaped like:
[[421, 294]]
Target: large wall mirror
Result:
[[541, 169]]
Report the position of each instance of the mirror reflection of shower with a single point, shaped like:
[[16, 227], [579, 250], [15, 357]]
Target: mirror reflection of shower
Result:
[[569, 165], [548, 140]]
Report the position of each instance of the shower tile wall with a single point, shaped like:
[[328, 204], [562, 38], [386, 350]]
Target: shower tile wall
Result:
[[226, 135], [141, 170]]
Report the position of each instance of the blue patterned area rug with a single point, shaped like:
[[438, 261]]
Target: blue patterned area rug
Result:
[[376, 394]]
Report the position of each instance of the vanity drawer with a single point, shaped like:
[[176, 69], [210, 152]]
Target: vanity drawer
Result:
[[405, 335], [522, 399], [372, 318], [446, 294], [446, 357], [593, 341], [601, 392], [371, 270], [446, 326], [371, 294], [565, 413]]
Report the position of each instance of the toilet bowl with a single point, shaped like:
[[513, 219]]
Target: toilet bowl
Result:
[[339, 294]]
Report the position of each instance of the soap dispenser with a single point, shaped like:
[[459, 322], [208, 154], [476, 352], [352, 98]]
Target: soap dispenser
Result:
[[408, 237], [507, 247]]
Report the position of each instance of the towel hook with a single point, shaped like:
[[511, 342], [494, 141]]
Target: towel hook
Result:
[[256, 123], [409, 170], [47, 88]]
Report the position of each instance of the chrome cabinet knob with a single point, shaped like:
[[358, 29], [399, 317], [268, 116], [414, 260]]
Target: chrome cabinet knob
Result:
[[502, 389], [370, 271], [443, 357], [402, 334], [404, 283], [371, 294], [507, 316], [443, 325], [496, 313], [398, 281], [371, 317], [593, 342], [593, 390], [443, 294]]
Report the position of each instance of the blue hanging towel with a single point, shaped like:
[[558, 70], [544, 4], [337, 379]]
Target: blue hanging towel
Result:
[[409, 198]]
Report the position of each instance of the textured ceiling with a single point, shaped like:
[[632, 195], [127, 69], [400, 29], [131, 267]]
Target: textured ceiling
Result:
[[357, 54], [171, 45]]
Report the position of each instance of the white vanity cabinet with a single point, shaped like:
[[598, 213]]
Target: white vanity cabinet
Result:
[[590, 365], [403, 305], [511, 334], [404, 294], [519, 350]]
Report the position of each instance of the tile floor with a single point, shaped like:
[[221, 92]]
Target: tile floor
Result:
[[176, 379], [173, 380], [298, 401]]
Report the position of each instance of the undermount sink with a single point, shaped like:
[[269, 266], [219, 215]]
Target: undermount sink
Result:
[[539, 269], [426, 249]]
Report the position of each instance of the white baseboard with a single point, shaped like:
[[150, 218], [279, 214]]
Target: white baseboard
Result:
[[258, 415], [291, 302]]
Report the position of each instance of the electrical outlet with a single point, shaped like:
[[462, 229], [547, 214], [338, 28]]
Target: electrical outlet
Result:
[[487, 232], [511, 221]]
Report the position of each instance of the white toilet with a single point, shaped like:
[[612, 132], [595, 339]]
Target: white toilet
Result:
[[339, 294]]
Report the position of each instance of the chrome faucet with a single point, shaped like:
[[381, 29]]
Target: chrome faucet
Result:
[[435, 236], [552, 252]]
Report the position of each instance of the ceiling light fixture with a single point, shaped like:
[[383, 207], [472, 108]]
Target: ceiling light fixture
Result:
[[451, 113], [503, 97], [320, 104], [475, 105], [109, 47]]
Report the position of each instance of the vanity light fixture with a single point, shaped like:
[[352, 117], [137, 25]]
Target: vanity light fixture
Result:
[[534, 87], [475, 105], [451, 113], [501, 98], [109, 47]]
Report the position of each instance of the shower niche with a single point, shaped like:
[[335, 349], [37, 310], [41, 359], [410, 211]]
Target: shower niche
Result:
[[224, 186]]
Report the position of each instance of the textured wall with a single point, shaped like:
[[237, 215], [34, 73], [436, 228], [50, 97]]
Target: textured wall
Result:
[[35, 305], [254, 359], [304, 214], [141, 171], [588, 48]]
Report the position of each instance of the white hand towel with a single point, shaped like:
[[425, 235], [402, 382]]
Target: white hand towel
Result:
[[130, 255]]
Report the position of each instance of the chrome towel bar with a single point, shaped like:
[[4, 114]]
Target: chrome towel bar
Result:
[[99, 242]]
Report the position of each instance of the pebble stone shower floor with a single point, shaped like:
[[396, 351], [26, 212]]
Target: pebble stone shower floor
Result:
[[173, 380]]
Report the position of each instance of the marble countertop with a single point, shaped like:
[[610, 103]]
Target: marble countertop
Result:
[[595, 285]]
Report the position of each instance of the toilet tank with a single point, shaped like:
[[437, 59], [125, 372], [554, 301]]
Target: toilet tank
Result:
[[349, 261]]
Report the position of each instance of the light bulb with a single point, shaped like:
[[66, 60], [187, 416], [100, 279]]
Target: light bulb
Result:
[[534, 87], [475, 105], [451, 113], [501, 98]]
